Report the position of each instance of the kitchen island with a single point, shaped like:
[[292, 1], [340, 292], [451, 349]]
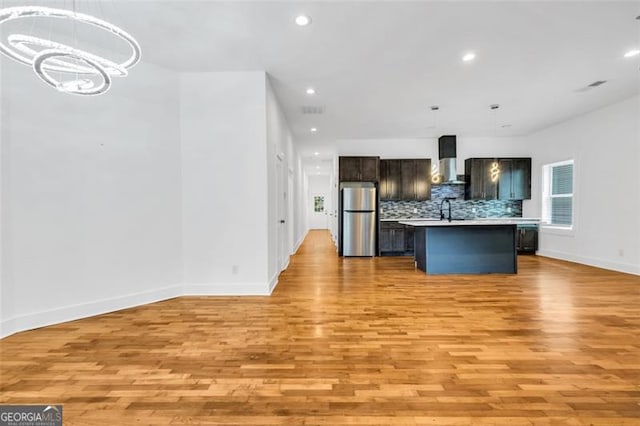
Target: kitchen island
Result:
[[465, 246]]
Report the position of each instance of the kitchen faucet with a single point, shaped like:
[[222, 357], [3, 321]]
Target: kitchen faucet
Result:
[[448, 201]]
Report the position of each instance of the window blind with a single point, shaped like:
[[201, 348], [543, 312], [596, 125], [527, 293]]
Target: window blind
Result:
[[562, 194], [562, 179]]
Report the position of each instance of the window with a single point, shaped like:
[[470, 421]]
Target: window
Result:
[[318, 204], [557, 194]]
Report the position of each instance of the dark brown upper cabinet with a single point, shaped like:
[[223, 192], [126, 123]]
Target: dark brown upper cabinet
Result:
[[481, 178], [497, 179], [359, 169], [515, 179], [416, 179], [390, 180], [408, 180]]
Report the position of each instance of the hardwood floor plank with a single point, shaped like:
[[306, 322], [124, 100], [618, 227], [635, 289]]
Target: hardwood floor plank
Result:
[[351, 341]]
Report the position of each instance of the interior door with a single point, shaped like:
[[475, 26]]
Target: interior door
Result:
[[282, 213], [290, 214], [319, 217]]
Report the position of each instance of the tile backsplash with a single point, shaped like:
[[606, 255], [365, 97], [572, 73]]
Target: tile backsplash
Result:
[[459, 208]]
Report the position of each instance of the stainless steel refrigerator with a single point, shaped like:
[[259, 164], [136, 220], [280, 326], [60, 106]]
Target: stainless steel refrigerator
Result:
[[359, 221]]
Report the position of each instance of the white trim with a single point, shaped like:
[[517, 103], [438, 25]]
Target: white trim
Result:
[[85, 310], [547, 196], [590, 261], [104, 306], [273, 283], [563, 231], [226, 289], [299, 243]]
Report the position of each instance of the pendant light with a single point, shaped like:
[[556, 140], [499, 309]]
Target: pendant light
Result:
[[90, 74], [494, 171], [435, 170]]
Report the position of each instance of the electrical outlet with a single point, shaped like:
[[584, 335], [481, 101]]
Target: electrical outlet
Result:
[[508, 209], [474, 210], [415, 210], [235, 269], [620, 252]]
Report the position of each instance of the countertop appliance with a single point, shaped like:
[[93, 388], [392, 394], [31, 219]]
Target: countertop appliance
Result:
[[359, 221]]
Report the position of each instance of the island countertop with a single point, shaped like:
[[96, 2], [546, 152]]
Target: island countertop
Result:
[[466, 246]]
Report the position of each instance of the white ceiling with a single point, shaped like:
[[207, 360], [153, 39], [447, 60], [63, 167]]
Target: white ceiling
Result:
[[378, 66]]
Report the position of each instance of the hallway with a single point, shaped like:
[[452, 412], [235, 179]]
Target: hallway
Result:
[[351, 341]]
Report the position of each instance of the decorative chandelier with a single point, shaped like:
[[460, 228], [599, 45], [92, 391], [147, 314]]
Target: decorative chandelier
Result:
[[91, 73]]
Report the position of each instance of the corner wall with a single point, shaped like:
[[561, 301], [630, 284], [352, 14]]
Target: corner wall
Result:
[[163, 187], [225, 186], [281, 159], [90, 197], [605, 145]]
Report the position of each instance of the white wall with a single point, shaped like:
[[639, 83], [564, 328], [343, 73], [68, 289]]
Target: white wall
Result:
[[281, 159], [319, 185], [333, 213], [90, 197], [224, 183], [164, 186], [605, 145], [301, 224]]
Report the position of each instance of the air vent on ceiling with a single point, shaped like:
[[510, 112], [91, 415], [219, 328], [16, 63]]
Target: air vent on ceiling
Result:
[[591, 86], [311, 109], [597, 83]]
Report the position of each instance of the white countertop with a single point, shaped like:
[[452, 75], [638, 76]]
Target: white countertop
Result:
[[469, 222], [479, 219]]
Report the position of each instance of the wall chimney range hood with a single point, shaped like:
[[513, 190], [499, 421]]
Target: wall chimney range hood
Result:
[[447, 156]]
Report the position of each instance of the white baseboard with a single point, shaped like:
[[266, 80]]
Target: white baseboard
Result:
[[273, 282], [226, 289], [84, 310], [299, 243], [590, 261]]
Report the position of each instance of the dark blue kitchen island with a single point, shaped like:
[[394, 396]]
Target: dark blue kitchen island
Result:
[[465, 247]]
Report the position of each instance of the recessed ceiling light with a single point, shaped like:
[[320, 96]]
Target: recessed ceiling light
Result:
[[316, 153], [311, 91], [632, 53], [313, 129], [303, 20], [469, 57], [318, 167]]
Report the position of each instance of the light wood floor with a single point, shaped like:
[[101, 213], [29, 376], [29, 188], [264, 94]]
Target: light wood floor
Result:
[[351, 341]]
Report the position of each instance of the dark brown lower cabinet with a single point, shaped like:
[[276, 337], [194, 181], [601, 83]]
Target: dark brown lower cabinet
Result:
[[396, 239], [527, 239], [408, 240]]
